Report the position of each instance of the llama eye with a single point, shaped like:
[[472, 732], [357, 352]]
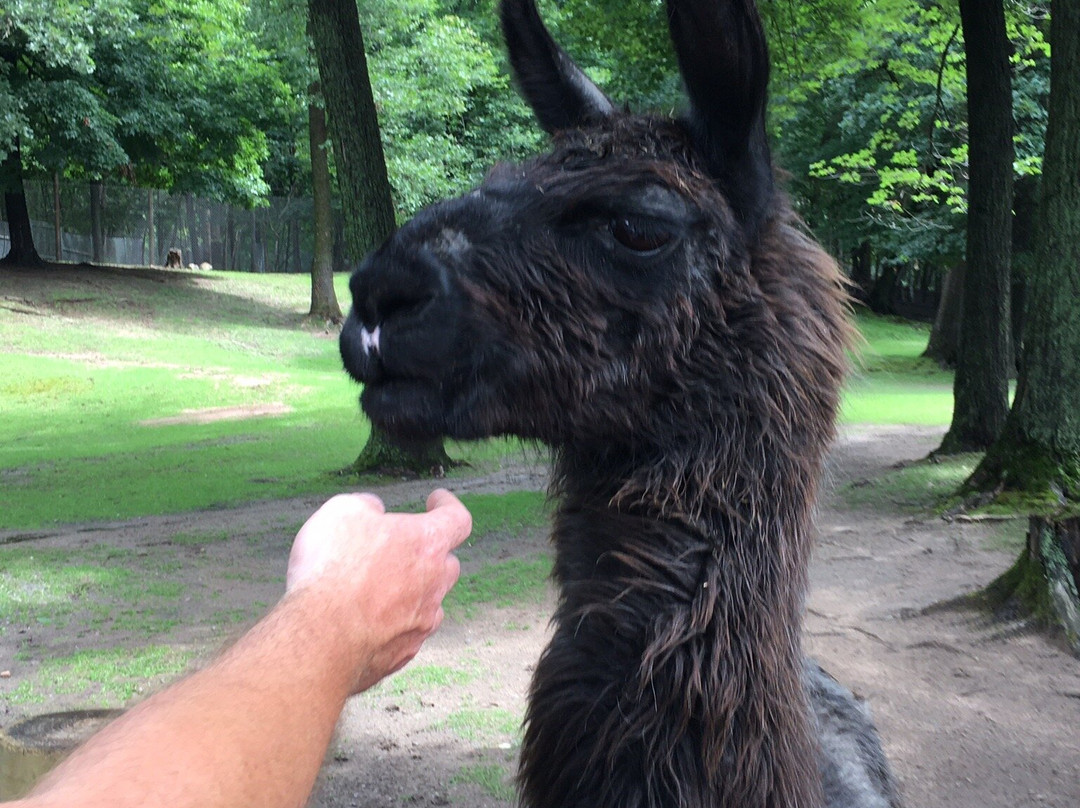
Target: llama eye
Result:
[[638, 236]]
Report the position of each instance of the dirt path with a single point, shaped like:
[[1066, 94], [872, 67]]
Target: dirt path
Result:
[[973, 715]]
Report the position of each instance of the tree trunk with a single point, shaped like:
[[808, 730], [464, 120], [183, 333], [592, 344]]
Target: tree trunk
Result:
[[58, 233], [334, 26], [862, 270], [354, 125], [883, 290], [151, 228], [258, 249], [208, 246], [97, 225], [1043, 583], [983, 361], [384, 455], [22, 252], [192, 229], [945, 335], [324, 304], [1037, 458]]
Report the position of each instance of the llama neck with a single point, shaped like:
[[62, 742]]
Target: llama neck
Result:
[[674, 677]]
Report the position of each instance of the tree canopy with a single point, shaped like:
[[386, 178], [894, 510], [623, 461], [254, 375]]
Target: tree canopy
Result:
[[169, 94], [210, 97], [876, 135]]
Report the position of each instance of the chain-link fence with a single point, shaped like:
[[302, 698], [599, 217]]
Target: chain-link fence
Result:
[[118, 224]]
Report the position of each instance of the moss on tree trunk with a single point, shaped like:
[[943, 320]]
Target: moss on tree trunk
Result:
[[382, 455], [1043, 583]]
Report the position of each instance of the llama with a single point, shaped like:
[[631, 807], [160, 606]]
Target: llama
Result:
[[643, 300]]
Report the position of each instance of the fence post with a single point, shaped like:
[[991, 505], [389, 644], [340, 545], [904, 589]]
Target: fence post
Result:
[[151, 227], [56, 216]]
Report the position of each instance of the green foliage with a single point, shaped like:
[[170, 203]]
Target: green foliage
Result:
[[446, 109], [873, 122], [623, 47], [171, 93], [892, 383]]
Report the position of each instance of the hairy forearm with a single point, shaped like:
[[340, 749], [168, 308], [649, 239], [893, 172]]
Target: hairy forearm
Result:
[[251, 729]]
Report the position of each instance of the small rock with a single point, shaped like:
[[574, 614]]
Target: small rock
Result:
[[5, 674]]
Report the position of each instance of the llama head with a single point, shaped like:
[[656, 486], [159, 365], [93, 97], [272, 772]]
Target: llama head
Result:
[[639, 276]]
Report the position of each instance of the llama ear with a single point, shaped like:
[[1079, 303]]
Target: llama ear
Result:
[[724, 62], [560, 94]]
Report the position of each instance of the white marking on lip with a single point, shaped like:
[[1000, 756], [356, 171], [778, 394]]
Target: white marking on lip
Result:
[[369, 340]]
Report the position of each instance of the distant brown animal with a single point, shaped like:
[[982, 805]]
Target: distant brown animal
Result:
[[174, 258], [643, 299]]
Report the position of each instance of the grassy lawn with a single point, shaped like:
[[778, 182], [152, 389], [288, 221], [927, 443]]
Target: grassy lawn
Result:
[[113, 384], [891, 382], [110, 385]]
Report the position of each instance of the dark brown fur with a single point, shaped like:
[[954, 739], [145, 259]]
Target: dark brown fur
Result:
[[682, 558]]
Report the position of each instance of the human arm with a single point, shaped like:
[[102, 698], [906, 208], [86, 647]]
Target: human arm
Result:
[[364, 589]]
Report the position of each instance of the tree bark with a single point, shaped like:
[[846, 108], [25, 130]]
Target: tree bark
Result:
[[206, 213], [97, 225], [230, 239], [945, 334], [334, 26], [861, 270], [354, 125], [883, 290], [22, 252], [324, 304], [1044, 582], [258, 248], [384, 455], [983, 360], [1037, 457]]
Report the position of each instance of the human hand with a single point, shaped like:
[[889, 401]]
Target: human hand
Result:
[[381, 575]]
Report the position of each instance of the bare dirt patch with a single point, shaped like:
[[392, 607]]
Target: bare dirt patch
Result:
[[208, 415], [973, 714]]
